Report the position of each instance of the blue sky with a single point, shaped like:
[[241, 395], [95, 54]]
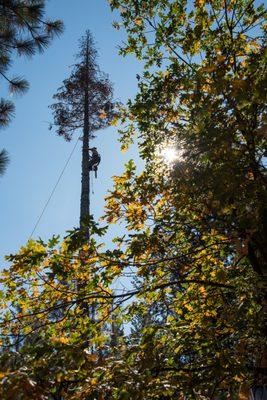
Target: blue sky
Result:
[[37, 155]]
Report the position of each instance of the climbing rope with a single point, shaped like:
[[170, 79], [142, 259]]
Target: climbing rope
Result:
[[92, 184], [54, 189]]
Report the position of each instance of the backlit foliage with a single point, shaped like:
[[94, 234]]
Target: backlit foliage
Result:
[[196, 241]]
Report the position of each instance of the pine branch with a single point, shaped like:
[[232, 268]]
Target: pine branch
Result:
[[6, 112], [4, 160], [18, 85]]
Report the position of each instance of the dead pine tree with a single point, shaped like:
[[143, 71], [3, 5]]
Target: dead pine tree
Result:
[[84, 102]]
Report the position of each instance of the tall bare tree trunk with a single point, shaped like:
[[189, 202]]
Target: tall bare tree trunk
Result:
[[85, 192], [85, 180]]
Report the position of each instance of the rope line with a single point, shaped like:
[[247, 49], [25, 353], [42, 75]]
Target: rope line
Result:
[[92, 184], [54, 188]]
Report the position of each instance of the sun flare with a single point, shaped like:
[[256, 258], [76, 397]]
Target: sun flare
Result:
[[170, 155]]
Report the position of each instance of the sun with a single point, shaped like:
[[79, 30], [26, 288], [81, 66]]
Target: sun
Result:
[[170, 155]]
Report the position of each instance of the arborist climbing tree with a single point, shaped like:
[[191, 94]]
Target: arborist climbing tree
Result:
[[94, 160], [84, 102]]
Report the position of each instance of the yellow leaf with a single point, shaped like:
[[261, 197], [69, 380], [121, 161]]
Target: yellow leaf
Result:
[[124, 148], [114, 121], [138, 21], [62, 340], [203, 291], [103, 115], [189, 308], [200, 3]]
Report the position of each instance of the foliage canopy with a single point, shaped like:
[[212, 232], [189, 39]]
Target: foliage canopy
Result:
[[197, 229]]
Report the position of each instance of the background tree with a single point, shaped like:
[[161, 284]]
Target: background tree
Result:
[[24, 30], [84, 102]]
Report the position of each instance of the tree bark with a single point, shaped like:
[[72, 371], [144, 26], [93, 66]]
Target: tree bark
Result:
[[85, 191]]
